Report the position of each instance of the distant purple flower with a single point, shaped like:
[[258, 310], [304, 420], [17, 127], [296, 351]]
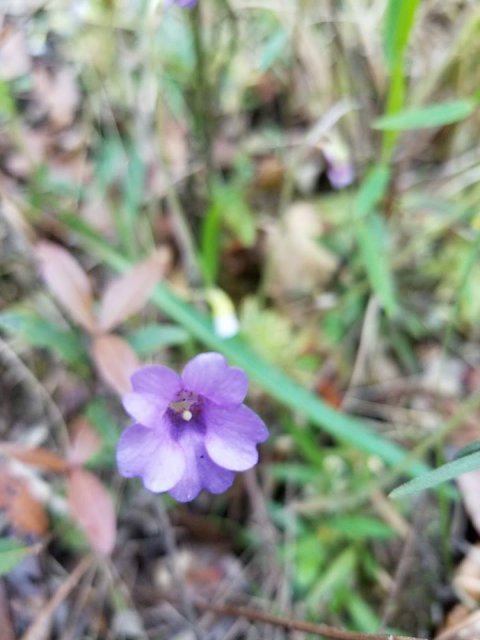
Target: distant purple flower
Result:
[[192, 431], [340, 170], [185, 4]]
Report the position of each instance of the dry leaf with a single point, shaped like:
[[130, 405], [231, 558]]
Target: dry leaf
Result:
[[68, 282], [466, 580], [92, 508], [85, 442], [115, 360], [97, 213], [128, 294], [25, 514], [14, 58], [58, 94], [36, 457], [296, 263], [469, 485], [468, 629]]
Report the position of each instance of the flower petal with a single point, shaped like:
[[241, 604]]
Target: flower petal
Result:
[[200, 471], [232, 435], [209, 375], [157, 380], [152, 455], [154, 388], [144, 408]]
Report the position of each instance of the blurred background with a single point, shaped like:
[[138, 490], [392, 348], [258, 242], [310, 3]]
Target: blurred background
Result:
[[292, 183]]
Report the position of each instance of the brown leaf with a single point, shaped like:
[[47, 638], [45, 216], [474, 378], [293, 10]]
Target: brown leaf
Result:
[[469, 485], [308, 265], [68, 282], [25, 514], [115, 360], [85, 442], [128, 294], [58, 94], [92, 508], [35, 456]]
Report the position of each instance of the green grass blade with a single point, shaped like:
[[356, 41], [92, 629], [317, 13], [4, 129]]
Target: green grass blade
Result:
[[433, 115], [437, 476], [12, 553], [399, 20]]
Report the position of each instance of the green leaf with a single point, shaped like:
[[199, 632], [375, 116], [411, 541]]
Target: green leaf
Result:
[[292, 472], [274, 49], [101, 419], [399, 20], [434, 115], [437, 476], [335, 576], [372, 237], [12, 553], [372, 190], [362, 614], [152, 337], [360, 527], [344, 427], [7, 103], [39, 332]]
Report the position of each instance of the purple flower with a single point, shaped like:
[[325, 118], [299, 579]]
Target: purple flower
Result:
[[192, 432], [185, 4]]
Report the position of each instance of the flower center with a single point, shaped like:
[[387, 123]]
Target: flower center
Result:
[[185, 405]]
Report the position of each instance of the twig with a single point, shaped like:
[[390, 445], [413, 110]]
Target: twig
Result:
[[289, 624], [38, 627]]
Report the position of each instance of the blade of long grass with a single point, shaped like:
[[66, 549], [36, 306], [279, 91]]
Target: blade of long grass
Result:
[[399, 21]]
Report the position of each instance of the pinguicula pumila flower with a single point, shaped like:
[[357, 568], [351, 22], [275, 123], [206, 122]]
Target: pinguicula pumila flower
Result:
[[192, 431], [185, 4]]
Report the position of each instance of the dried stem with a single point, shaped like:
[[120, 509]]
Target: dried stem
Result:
[[324, 630]]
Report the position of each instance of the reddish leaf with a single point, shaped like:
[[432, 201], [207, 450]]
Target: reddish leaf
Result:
[[85, 442], [24, 513], [35, 456], [68, 282], [115, 360], [91, 506], [129, 293]]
